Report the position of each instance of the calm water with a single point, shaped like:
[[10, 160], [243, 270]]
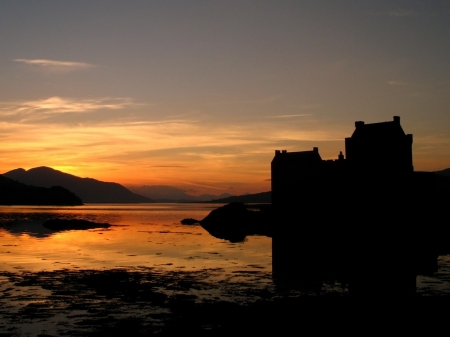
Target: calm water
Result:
[[144, 235], [49, 280], [138, 274]]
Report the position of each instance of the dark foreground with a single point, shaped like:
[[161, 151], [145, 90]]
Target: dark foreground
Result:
[[145, 301]]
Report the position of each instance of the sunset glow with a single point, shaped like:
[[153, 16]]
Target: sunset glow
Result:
[[198, 95]]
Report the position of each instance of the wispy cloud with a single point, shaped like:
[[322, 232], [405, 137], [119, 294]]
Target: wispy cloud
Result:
[[399, 83], [264, 100], [401, 13], [290, 116], [435, 140], [421, 94], [173, 151], [57, 66], [168, 166], [42, 108]]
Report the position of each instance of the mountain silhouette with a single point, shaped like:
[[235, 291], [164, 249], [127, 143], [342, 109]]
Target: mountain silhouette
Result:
[[88, 189], [445, 172], [263, 197], [442, 179], [15, 193], [164, 193]]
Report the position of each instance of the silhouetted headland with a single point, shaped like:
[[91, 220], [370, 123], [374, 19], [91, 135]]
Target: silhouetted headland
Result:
[[263, 197], [88, 189], [171, 194], [15, 193]]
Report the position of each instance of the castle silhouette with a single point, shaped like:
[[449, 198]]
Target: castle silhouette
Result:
[[379, 149], [365, 219]]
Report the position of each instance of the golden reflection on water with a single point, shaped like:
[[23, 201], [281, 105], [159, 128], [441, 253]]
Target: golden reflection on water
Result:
[[147, 235]]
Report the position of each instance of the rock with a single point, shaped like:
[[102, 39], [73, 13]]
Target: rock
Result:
[[190, 221], [234, 222]]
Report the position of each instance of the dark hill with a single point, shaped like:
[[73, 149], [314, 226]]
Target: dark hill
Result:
[[88, 189], [445, 173], [263, 197], [442, 186], [15, 193], [164, 193]]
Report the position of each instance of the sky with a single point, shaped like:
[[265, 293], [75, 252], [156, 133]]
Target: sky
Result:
[[199, 94]]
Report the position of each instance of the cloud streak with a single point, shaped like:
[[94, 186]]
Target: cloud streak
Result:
[[40, 109], [399, 83], [290, 116], [265, 100], [57, 66], [168, 151]]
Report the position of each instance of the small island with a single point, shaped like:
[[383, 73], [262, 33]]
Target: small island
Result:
[[234, 222]]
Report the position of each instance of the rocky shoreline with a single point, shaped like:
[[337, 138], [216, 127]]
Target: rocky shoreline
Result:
[[137, 302], [145, 301]]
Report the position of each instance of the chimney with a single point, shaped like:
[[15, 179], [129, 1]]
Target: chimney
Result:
[[358, 124], [315, 149], [397, 120]]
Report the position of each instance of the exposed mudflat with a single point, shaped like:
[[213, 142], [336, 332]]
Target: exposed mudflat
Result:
[[147, 301], [137, 302]]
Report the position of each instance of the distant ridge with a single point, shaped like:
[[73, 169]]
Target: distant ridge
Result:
[[442, 179], [445, 172], [88, 189], [164, 193], [15, 193], [263, 197]]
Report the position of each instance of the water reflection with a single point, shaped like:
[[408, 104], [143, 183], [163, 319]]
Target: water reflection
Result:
[[33, 224], [152, 237], [140, 236], [31, 228]]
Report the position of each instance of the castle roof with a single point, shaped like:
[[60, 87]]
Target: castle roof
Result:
[[389, 130], [300, 157]]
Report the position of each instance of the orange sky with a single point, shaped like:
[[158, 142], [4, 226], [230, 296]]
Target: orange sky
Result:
[[199, 95]]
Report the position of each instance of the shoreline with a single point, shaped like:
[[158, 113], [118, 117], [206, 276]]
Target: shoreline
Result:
[[147, 301], [144, 300]]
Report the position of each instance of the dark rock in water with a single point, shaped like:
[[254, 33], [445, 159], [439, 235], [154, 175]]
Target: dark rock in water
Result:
[[190, 221], [67, 224], [234, 222]]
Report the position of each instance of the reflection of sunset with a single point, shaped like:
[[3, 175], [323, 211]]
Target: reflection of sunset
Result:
[[143, 237]]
